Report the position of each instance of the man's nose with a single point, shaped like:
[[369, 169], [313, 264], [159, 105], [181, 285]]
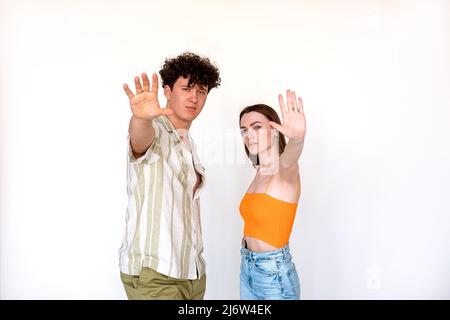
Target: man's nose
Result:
[[194, 96]]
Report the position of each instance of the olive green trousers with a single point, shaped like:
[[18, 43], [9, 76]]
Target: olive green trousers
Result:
[[152, 285]]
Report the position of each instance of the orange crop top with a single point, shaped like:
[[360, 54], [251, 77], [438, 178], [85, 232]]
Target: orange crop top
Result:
[[267, 218]]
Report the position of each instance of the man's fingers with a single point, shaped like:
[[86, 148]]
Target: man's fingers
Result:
[[155, 84], [137, 83], [128, 91], [145, 82]]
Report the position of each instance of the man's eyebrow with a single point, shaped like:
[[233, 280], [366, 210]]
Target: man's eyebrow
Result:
[[203, 87], [251, 124]]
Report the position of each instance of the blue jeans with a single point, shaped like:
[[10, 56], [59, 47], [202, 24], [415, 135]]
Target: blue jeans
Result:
[[268, 275]]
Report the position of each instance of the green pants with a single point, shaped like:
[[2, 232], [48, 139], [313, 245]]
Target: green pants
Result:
[[152, 285]]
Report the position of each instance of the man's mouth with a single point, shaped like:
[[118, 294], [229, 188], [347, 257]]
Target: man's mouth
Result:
[[191, 108]]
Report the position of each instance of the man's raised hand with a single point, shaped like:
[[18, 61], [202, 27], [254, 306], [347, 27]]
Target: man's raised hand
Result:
[[144, 104]]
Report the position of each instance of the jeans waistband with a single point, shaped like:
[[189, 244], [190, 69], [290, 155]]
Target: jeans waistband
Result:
[[281, 253]]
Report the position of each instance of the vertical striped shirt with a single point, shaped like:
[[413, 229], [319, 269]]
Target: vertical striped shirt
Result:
[[163, 227]]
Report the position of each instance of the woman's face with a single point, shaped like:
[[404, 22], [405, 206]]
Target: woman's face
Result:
[[256, 132]]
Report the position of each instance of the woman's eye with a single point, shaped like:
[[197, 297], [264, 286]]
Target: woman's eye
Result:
[[257, 127]]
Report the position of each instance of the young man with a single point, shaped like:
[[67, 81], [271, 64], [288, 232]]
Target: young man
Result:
[[161, 253]]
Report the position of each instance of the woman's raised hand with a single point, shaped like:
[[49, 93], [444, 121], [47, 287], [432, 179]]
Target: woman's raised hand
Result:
[[293, 125]]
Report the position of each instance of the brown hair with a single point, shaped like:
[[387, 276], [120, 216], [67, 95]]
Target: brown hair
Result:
[[270, 114], [198, 69]]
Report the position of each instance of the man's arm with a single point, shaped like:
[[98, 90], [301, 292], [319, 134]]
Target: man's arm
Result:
[[142, 135]]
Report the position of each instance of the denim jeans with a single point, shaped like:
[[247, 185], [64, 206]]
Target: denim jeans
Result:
[[268, 275]]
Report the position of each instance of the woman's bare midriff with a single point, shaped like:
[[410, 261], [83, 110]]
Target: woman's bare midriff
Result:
[[257, 245]]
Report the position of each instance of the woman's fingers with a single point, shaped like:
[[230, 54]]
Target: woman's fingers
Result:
[[128, 91], [300, 105], [277, 126], [294, 102], [137, 84], [281, 103], [289, 100]]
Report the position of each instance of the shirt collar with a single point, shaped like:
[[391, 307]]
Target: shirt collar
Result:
[[170, 128], [167, 124]]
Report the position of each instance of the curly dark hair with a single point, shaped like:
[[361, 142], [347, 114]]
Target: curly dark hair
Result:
[[198, 69]]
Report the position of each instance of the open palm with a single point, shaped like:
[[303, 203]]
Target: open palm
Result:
[[144, 104], [294, 124]]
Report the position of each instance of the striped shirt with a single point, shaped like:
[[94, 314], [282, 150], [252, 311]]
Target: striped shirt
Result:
[[163, 227]]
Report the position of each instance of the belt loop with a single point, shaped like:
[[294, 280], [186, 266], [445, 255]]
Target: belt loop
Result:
[[244, 243]]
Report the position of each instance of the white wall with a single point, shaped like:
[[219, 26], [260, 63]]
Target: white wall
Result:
[[373, 219]]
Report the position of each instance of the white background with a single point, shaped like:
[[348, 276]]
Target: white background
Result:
[[374, 215]]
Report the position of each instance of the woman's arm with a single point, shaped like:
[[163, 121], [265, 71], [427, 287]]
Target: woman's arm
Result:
[[290, 156]]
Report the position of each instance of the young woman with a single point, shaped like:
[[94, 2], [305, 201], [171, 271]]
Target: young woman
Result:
[[269, 206]]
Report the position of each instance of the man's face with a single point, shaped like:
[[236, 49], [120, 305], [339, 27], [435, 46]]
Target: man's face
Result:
[[186, 102]]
